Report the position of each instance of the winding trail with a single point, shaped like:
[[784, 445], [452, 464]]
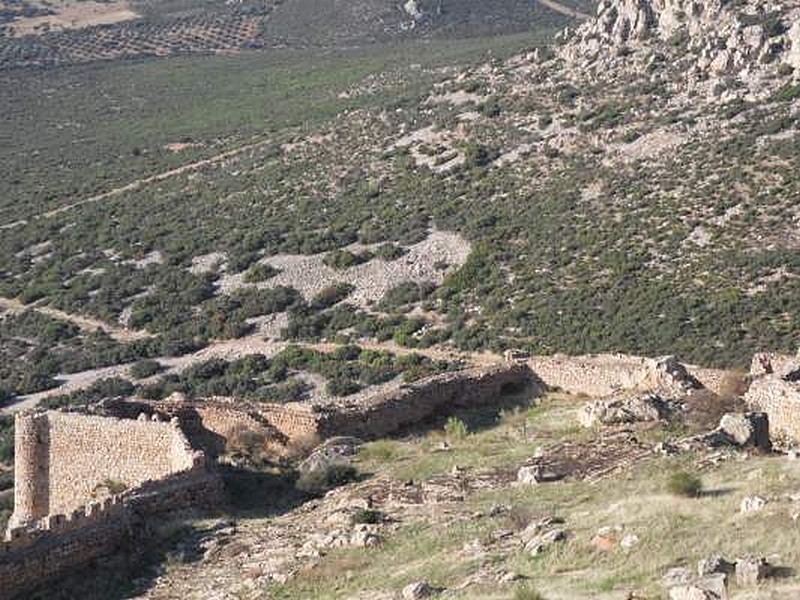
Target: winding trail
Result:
[[138, 183], [86, 324]]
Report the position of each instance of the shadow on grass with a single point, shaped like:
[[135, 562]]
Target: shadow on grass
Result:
[[715, 493]]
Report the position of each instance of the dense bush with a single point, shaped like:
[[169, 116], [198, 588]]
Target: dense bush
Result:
[[6, 439], [145, 368], [682, 483], [260, 272], [343, 259]]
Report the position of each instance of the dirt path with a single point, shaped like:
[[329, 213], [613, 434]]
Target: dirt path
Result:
[[134, 185], [565, 10], [87, 324]]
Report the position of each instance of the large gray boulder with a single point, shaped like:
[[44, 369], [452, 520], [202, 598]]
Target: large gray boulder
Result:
[[336, 450]]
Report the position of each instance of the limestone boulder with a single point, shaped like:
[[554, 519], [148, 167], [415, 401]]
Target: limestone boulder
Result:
[[530, 475], [418, 590], [711, 587], [715, 565], [752, 504], [541, 543], [751, 570], [746, 429], [336, 450]]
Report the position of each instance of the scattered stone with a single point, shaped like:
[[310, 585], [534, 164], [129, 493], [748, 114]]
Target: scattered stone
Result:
[[629, 541], [649, 407], [502, 534], [715, 565], [510, 577], [605, 540], [418, 590], [666, 448], [365, 539], [541, 543], [751, 570], [499, 509], [753, 504]]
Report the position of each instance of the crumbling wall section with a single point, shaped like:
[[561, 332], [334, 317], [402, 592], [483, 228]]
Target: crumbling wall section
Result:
[[414, 403], [780, 399], [600, 375], [65, 459]]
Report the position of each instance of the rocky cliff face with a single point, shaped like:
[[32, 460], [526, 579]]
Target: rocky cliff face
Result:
[[747, 40]]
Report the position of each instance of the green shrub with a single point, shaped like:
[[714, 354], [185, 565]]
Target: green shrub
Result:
[[389, 252], [682, 483], [6, 439], [319, 481], [145, 368], [455, 428], [366, 516], [527, 592], [343, 259], [260, 272], [333, 294]]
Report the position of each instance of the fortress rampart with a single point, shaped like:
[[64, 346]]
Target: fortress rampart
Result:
[[780, 399], [414, 403], [68, 463], [85, 483], [45, 549], [63, 459], [606, 374]]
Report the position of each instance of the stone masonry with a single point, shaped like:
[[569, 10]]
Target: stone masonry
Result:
[[83, 485], [62, 459], [780, 399], [600, 375]]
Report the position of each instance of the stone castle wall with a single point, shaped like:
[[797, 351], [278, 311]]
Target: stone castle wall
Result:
[[62, 459], [780, 399], [58, 544], [600, 375], [394, 410]]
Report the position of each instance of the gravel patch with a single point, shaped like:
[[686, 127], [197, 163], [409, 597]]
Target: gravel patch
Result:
[[309, 276]]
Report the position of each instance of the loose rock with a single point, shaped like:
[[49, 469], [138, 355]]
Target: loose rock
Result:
[[753, 504], [751, 570]]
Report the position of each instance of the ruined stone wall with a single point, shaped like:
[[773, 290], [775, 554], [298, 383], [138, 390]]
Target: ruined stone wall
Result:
[[58, 544], [780, 399], [62, 458], [294, 421], [781, 364], [715, 380], [391, 411], [600, 375]]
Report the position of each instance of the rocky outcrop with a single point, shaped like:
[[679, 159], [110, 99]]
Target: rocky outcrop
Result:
[[713, 37]]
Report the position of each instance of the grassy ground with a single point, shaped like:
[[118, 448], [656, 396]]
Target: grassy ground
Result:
[[672, 531]]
